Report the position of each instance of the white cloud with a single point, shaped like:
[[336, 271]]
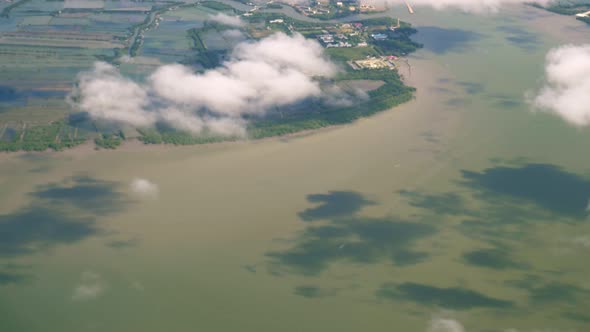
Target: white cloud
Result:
[[276, 71], [105, 93], [445, 325], [467, 5], [225, 19], [567, 89], [90, 287], [145, 188]]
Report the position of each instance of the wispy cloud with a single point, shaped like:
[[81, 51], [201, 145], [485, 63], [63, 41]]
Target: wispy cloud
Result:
[[225, 19]]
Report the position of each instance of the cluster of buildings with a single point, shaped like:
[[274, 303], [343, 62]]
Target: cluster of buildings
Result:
[[334, 40], [325, 7], [343, 35], [384, 62]]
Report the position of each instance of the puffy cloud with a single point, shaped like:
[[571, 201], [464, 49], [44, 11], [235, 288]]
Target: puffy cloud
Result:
[[445, 325], [276, 71], [105, 93], [567, 89], [90, 287], [145, 188], [225, 19]]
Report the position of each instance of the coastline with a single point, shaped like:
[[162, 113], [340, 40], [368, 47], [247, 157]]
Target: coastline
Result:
[[416, 79]]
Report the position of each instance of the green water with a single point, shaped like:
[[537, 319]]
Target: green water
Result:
[[462, 204]]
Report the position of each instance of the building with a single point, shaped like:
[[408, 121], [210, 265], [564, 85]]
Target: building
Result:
[[373, 63]]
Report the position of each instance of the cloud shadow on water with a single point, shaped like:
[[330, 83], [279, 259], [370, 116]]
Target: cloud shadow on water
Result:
[[85, 193], [495, 258], [541, 292], [472, 88], [353, 239], [335, 204], [521, 38], [456, 298], [441, 40], [582, 318], [59, 214], [36, 228], [7, 278], [544, 185], [313, 292]]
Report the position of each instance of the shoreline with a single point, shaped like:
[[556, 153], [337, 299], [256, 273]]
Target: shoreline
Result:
[[136, 144]]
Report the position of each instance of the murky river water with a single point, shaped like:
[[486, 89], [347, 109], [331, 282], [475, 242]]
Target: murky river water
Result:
[[462, 204]]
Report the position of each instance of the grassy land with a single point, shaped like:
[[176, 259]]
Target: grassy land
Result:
[[57, 136]]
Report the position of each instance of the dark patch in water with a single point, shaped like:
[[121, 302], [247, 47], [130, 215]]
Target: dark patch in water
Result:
[[123, 244], [544, 293], [347, 237], [38, 228], [457, 102], [492, 258], [358, 240], [509, 200], [440, 40], [546, 186], [8, 94], [50, 219], [582, 318], [445, 203], [555, 292], [521, 38], [313, 292], [7, 278], [472, 88], [508, 104], [457, 298], [334, 204], [85, 193]]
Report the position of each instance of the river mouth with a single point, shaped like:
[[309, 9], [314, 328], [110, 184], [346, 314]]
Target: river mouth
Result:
[[462, 204]]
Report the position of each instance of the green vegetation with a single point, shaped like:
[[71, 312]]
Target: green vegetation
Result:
[[109, 141], [164, 135], [391, 94], [398, 41], [56, 136]]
